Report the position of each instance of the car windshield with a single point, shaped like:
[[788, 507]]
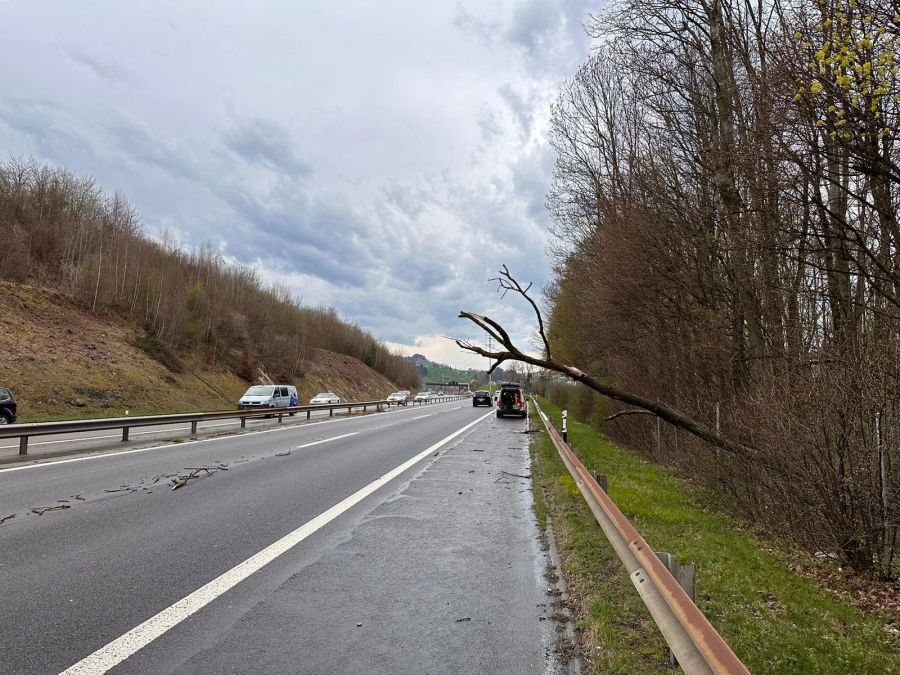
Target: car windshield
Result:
[[259, 391], [323, 395], [481, 392]]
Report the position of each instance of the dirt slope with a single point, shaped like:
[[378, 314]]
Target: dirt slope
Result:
[[65, 363]]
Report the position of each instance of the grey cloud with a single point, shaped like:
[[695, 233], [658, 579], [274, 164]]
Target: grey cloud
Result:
[[267, 144], [521, 105], [104, 68], [141, 145], [467, 22], [317, 238]]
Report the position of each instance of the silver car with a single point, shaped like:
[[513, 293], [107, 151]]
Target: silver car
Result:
[[324, 398]]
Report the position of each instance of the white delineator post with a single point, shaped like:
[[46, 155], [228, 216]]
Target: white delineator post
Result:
[[565, 425]]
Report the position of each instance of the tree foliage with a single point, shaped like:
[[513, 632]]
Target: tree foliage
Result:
[[726, 241]]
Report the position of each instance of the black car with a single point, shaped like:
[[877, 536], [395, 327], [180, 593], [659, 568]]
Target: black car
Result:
[[7, 406], [481, 397], [512, 401]]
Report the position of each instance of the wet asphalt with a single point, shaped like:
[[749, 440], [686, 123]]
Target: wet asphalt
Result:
[[441, 570]]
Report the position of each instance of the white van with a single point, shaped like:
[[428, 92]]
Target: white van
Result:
[[269, 396]]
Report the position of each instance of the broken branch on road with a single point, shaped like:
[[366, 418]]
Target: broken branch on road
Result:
[[41, 510], [194, 472]]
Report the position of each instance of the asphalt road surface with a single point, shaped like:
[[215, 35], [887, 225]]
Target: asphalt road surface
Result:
[[395, 542]]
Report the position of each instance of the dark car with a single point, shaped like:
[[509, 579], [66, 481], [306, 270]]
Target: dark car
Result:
[[512, 401], [481, 397], [7, 406]]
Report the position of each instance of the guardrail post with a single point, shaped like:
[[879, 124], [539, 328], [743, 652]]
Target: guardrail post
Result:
[[364, 408], [565, 425], [243, 423], [193, 430], [23, 445], [331, 412], [686, 576], [308, 412], [125, 431], [349, 409], [601, 480], [280, 415]]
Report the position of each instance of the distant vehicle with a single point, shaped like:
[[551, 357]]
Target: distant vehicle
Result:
[[440, 393], [324, 398], [399, 397], [423, 396], [269, 396], [481, 397], [511, 400], [7, 406]]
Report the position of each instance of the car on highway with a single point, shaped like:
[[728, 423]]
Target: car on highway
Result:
[[481, 397], [440, 393], [324, 398], [7, 406], [399, 397], [269, 396], [423, 397], [511, 400]]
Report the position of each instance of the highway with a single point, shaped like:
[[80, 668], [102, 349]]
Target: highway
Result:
[[103, 441], [317, 547]]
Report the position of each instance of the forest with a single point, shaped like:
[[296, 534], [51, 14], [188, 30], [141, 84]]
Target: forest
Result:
[[62, 231], [726, 241]]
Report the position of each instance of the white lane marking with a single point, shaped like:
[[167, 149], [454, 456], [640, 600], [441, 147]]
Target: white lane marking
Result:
[[421, 417], [326, 440], [137, 638], [290, 427]]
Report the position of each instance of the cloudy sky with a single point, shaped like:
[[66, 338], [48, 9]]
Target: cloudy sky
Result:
[[384, 158]]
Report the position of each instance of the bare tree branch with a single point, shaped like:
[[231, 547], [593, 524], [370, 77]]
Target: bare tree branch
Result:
[[658, 408], [627, 412]]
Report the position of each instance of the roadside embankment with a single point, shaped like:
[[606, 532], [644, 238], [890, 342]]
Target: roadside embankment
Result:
[[776, 619]]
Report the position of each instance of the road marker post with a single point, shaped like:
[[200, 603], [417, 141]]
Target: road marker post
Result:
[[565, 425]]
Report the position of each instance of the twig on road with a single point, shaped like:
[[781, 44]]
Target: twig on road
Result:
[[181, 480], [40, 510]]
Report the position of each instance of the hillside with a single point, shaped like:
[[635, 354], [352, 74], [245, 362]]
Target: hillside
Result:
[[63, 362], [431, 371]]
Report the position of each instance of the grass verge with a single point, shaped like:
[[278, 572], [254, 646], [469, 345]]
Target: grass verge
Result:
[[775, 621]]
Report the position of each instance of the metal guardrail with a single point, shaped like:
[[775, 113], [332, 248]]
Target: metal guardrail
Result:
[[25, 431], [695, 643]]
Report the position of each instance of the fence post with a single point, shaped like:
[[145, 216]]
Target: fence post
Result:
[[565, 425]]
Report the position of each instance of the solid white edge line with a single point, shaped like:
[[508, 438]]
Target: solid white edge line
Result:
[[290, 427], [326, 440], [137, 638]]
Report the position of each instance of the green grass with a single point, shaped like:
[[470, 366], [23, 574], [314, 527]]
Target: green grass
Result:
[[775, 621]]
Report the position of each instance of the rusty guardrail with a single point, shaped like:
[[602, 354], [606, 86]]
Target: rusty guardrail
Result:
[[25, 431], [696, 645]]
